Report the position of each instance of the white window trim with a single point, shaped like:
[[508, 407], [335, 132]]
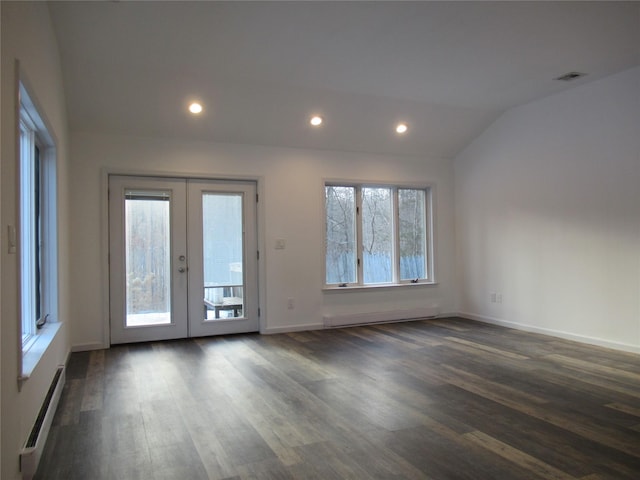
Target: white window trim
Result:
[[37, 349], [34, 347], [430, 279], [330, 288]]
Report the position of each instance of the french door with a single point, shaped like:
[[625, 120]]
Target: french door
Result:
[[182, 258]]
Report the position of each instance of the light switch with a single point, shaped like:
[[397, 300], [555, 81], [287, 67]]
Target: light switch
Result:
[[280, 243]]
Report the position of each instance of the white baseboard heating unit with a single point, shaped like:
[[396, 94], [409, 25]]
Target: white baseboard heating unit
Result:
[[32, 451], [347, 319]]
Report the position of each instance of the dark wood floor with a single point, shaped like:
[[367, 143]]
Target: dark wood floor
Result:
[[440, 399]]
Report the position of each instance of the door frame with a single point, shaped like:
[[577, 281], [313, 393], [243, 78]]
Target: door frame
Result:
[[105, 173]]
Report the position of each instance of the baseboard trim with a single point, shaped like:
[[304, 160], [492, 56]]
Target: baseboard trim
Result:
[[553, 333], [322, 326], [445, 315], [84, 347], [384, 316], [292, 328]]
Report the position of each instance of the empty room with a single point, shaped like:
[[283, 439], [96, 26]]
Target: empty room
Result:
[[320, 240]]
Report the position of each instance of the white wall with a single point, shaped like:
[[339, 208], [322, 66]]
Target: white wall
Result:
[[548, 214], [27, 35], [291, 208]]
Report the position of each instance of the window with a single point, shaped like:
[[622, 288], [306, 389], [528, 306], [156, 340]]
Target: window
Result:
[[377, 235], [341, 251], [37, 247]]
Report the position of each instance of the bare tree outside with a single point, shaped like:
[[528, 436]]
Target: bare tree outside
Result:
[[380, 222], [147, 253], [377, 235], [340, 204], [411, 214]]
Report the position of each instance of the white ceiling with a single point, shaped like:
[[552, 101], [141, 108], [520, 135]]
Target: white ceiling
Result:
[[261, 68]]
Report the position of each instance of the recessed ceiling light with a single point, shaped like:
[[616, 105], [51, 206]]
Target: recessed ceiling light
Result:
[[195, 108], [401, 128], [316, 120]]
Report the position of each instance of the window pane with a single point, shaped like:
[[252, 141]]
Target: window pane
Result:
[[411, 206], [29, 233], [37, 224], [377, 235], [340, 204], [148, 258]]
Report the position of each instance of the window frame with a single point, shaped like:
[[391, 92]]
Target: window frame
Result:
[[429, 278], [37, 228], [30, 230], [356, 230]]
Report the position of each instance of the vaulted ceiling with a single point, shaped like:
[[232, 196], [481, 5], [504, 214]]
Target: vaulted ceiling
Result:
[[447, 69]]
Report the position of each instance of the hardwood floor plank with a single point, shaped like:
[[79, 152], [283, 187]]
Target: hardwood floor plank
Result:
[[518, 457], [567, 451], [505, 391], [265, 470], [70, 403], [129, 467], [449, 324], [177, 461], [405, 334], [486, 348], [442, 457], [631, 410], [331, 461], [567, 420], [596, 367], [94, 382], [78, 365], [590, 384], [373, 334]]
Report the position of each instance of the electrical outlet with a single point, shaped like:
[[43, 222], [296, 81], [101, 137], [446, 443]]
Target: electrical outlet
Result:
[[499, 298], [290, 303], [492, 296]]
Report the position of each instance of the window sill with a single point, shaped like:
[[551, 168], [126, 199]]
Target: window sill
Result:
[[351, 288], [36, 351]]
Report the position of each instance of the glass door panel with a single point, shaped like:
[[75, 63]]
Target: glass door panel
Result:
[[147, 258], [222, 245]]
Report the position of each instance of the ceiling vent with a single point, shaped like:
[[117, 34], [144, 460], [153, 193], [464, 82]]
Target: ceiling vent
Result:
[[568, 77]]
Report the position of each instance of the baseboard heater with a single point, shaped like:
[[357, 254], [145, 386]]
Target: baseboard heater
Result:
[[32, 451], [349, 319]]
